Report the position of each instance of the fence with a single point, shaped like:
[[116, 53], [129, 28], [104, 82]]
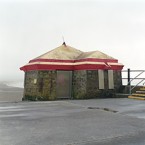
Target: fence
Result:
[[133, 78]]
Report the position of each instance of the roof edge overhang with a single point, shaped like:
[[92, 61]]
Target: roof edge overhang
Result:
[[82, 65]]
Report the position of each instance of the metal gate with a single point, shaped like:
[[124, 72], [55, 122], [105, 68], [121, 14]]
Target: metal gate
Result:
[[64, 84]]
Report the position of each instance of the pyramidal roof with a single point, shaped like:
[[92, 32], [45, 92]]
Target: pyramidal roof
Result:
[[94, 54], [66, 52], [66, 57], [63, 52]]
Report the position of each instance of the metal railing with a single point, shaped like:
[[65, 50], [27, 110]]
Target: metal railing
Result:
[[132, 75]]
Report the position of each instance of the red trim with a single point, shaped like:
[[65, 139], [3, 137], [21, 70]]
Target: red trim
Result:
[[72, 67], [50, 60], [96, 60], [71, 61], [69, 67]]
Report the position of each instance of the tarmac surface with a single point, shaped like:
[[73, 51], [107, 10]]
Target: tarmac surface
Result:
[[73, 122]]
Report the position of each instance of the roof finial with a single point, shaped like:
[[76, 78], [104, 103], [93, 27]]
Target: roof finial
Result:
[[63, 41]]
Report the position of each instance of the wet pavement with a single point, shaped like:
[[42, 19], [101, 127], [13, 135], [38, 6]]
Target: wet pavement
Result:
[[131, 107], [73, 122]]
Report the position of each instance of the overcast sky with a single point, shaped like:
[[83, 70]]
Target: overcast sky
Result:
[[29, 28]]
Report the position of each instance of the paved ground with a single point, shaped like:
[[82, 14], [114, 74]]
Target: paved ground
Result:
[[81, 122], [11, 96]]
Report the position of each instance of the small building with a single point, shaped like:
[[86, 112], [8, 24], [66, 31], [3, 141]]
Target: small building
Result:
[[66, 72]]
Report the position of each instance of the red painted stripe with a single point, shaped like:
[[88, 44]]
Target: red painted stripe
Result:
[[69, 67], [71, 61], [50, 60], [97, 60]]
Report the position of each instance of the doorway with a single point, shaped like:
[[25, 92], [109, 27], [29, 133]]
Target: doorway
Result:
[[64, 84]]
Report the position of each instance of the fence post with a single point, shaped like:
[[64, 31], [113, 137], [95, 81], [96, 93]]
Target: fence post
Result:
[[128, 76], [129, 83]]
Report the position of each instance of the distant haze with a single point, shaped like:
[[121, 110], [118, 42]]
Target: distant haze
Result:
[[29, 28]]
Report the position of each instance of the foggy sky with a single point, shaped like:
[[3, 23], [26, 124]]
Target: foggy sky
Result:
[[31, 28]]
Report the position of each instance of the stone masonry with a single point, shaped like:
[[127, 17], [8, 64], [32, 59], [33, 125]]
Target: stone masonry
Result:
[[41, 85], [79, 83]]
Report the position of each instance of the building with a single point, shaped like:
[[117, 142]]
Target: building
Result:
[[66, 72]]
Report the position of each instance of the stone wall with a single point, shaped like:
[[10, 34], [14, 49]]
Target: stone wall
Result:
[[86, 84], [92, 84], [117, 80], [30, 87], [40, 85], [79, 82], [47, 85]]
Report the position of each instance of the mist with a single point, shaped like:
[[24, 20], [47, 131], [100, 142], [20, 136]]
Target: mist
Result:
[[31, 28]]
